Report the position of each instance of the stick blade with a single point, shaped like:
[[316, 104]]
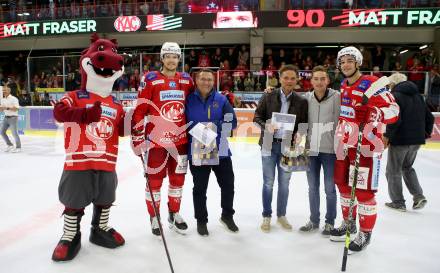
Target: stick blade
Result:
[[376, 86]]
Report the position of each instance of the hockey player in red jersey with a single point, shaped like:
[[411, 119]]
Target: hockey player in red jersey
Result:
[[93, 121], [380, 109], [162, 98]]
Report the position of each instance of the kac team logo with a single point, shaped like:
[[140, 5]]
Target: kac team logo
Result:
[[173, 111], [102, 129], [127, 23]]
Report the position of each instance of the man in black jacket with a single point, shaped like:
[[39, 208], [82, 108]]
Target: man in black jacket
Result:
[[273, 140], [404, 138]]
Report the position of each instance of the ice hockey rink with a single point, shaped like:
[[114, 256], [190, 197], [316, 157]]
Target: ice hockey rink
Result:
[[31, 222]]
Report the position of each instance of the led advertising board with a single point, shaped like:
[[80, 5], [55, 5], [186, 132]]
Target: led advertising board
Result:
[[315, 18]]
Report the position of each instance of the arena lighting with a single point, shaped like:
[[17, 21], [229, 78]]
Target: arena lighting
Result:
[[26, 14], [20, 14], [326, 46], [403, 51], [423, 47]]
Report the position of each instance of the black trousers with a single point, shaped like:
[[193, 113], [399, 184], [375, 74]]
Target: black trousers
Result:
[[225, 179]]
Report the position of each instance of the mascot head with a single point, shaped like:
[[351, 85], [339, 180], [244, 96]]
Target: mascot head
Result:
[[101, 66]]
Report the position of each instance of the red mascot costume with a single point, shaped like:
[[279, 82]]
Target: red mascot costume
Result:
[[93, 121]]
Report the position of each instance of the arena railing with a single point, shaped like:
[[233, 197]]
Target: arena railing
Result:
[[49, 77]]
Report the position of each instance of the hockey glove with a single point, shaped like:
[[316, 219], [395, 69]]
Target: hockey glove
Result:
[[365, 114], [93, 114], [138, 144]]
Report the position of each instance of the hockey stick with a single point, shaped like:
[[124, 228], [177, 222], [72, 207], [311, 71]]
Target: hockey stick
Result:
[[157, 213], [374, 87]]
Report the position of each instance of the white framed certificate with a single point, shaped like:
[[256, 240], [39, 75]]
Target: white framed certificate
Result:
[[283, 121]]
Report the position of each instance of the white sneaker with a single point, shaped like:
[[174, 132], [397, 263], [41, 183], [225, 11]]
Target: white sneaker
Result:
[[9, 149], [16, 150], [282, 220], [265, 226]]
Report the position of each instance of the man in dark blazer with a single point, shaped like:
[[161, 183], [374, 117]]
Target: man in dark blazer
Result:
[[274, 140]]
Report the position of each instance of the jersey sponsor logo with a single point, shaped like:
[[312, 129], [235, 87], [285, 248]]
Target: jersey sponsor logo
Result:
[[215, 104], [83, 95], [151, 76], [172, 84], [375, 173], [380, 91], [184, 81], [173, 111], [347, 112], [346, 101], [108, 112], [102, 129], [363, 85], [362, 177], [357, 93], [172, 95], [157, 82]]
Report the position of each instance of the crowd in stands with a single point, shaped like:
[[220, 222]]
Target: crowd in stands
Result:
[[46, 10], [233, 64]]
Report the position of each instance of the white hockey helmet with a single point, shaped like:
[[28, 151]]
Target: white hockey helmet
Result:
[[170, 48], [351, 51]]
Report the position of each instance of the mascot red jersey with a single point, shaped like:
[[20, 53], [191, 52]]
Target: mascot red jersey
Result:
[[93, 121]]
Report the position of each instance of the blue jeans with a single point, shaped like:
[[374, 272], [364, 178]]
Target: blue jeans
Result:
[[269, 164], [11, 123], [327, 161]]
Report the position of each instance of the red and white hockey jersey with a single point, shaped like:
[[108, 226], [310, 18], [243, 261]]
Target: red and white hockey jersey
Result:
[[93, 146], [351, 95], [162, 99]]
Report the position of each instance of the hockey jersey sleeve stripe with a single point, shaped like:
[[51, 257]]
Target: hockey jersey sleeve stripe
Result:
[[85, 156], [90, 159], [390, 113], [389, 107], [91, 152], [68, 100]]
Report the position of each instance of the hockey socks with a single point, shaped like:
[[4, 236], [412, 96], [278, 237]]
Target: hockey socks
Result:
[[70, 242], [100, 233]]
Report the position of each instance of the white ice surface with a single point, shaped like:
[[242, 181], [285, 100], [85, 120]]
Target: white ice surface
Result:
[[30, 223]]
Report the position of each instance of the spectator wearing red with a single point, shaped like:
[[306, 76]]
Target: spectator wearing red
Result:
[[416, 75], [240, 69], [204, 60], [271, 66], [134, 81]]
